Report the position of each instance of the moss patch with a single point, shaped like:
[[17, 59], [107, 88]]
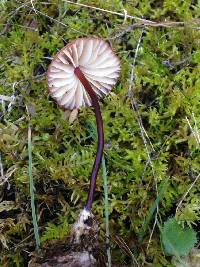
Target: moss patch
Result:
[[166, 90]]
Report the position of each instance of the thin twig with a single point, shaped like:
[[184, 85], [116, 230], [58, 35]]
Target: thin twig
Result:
[[195, 130], [52, 19], [143, 22], [134, 105], [6, 98], [11, 99], [130, 94], [5, 177], [152, 231], [13, 14], [186, 193], [142, 129], [122, 244], [124, 15], [33, 7]]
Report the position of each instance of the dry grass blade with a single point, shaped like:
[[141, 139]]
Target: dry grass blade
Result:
[[143, 132], [187, 192], [142, 22], [194, 130], [122, 244], [45, 15], [34, 218], [125, 15]]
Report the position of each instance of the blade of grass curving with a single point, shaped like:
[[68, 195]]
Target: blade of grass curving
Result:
[[31, 188], [106, 212], [152, 209]]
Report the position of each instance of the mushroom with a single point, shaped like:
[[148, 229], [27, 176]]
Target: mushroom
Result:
[[80, 74]]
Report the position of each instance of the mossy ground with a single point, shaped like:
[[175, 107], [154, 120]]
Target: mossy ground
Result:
[[166, 90]]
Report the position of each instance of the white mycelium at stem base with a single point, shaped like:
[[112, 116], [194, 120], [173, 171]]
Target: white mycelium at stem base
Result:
[[82, 227], [98, 63]]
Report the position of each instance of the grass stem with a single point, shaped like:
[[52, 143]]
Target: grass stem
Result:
[[106, 207], [31, 187]]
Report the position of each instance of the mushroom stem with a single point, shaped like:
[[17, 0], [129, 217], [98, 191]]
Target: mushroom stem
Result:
[[99, 122]]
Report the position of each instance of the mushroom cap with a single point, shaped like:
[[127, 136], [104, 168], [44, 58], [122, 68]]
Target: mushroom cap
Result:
[[96, 60]]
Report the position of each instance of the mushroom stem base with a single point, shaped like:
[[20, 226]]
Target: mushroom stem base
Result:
[[80, 249], [85, 227]]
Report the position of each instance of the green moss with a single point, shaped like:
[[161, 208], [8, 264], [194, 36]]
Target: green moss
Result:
[[166, 89]]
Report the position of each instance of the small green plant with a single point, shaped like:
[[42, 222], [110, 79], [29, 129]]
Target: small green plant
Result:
[[53, 232], [177, 241]]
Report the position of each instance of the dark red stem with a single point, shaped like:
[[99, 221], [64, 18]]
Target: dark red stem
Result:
[[99, 122]]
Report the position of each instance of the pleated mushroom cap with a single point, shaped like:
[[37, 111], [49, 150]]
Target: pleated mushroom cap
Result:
[[96, 60]]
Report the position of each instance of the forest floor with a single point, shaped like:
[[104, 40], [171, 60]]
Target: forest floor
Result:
[[151, 124]]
